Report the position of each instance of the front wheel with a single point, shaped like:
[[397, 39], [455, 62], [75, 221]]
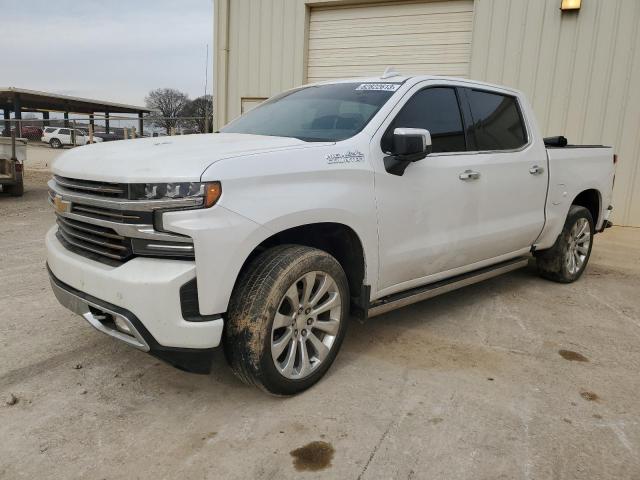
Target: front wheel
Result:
[[566, 260], [287, 318]]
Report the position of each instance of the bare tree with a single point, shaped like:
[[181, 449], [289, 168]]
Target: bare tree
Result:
[[200, 110], [167, 103]]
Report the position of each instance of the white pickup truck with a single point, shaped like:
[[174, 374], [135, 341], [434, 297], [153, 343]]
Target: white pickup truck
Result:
[[338, 199]]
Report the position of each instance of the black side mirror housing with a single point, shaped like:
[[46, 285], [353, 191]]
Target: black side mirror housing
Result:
[[409, 145]]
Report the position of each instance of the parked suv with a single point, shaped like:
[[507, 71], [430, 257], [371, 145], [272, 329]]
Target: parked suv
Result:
[[59, 137], [345, 198]]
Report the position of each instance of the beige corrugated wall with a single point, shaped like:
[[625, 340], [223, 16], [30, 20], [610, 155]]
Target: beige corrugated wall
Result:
[[580, 70]]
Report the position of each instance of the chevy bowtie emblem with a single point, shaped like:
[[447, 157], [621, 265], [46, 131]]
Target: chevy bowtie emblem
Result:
[[60, 205]]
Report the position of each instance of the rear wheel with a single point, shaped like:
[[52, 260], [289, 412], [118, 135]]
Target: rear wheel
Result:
[[566, 260], [17, 189], [55, 143], [287, 318]]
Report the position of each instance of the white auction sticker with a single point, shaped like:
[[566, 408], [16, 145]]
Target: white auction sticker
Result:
[[386, 87]]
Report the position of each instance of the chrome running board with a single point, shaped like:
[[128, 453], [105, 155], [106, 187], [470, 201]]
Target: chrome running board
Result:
[[408, 297]]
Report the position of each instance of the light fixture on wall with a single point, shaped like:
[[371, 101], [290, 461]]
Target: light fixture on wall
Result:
[[570, 4]]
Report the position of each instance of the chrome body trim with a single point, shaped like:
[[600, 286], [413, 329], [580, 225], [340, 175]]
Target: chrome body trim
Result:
[[122, 204], [81, 306], [186, 248], [140, 230], [438, 288], [66, 182]]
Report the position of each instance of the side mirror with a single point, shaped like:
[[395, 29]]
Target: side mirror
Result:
[[409, 145]]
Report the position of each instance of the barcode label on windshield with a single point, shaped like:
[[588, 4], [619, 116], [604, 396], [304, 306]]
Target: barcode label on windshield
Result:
[[386, 87]]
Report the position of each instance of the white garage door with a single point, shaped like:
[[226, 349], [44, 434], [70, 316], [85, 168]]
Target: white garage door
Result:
[[415, 37]]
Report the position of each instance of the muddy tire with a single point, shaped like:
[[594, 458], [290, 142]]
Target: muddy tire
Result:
[[287, 318], [566, 260], [17, 190], [55, 143]]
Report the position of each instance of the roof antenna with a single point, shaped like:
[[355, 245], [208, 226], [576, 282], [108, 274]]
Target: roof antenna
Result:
[[390, 72]]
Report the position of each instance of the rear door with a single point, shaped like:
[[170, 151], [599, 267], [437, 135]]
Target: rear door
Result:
[[81, 138], [512, 168], [64, 135]]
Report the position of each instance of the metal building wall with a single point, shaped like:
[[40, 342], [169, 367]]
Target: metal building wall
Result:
[[265, 51], [580, 70], [260, 49]]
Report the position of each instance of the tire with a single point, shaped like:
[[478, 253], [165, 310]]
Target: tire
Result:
[[17, 189], [55, 143], [266, 334], [566, 260]]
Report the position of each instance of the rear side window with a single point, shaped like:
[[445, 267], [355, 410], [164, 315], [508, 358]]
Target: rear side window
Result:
[[64, 131], [49, 129], [434, 109], [497, 123]]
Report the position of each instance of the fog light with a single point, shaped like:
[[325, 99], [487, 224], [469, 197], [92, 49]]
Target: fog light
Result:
[[122, 326]]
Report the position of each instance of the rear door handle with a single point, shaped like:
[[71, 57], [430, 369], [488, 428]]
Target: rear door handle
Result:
[[536, 170], [469, 175]]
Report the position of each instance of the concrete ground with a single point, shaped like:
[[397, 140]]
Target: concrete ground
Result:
[[40, 156], [468, 385]]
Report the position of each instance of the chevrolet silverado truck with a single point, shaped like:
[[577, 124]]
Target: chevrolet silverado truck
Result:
[[339, 199]]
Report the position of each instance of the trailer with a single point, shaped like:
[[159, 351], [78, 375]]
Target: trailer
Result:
[[13, 153]]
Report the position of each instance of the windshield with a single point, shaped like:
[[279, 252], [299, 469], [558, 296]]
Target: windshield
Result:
[[322, 113]]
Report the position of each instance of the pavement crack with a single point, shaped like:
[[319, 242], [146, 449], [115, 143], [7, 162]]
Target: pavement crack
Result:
[[375, 448], [392, 424]]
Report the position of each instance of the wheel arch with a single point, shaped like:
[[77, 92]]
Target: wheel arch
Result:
[[591, 199], [338, 239]]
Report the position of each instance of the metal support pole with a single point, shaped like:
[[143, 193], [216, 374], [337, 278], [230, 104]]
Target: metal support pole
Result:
[[140, 124], [6, 130], [73, 134], [17, 114], [92, 123], [66, 119], [17, 107], [106, 122], [13, 146], [45, 119]]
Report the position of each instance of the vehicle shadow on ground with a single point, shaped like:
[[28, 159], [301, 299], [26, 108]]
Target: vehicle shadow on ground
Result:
[[420, 335], [404, 337]]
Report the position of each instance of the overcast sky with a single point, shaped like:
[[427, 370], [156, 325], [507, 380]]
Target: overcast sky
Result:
[[114, 51]]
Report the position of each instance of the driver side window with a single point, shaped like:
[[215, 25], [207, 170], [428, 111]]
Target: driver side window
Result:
[[435, 109]]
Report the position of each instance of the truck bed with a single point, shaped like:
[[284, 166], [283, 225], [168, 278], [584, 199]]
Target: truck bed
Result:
[[574, 169]]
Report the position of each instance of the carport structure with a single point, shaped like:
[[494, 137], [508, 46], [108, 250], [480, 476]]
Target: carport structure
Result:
[[19, 101]]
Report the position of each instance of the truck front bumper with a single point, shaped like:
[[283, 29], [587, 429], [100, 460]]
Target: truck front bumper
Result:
[[137, 303]]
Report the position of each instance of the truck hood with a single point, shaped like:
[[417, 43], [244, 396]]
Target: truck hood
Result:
[[158, 159]]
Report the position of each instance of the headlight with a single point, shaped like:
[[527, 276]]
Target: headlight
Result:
[[208, 192]]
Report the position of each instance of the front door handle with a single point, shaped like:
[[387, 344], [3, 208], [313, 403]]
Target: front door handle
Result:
[[536, 170], [469, 175]]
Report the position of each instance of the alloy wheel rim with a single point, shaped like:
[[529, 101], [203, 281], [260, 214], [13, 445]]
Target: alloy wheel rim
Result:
[[306, 325], [579, 243]]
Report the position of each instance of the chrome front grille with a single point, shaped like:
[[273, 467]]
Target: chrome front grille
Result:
[[98, 221], [106, 189], [110, 214], [96, 240]]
